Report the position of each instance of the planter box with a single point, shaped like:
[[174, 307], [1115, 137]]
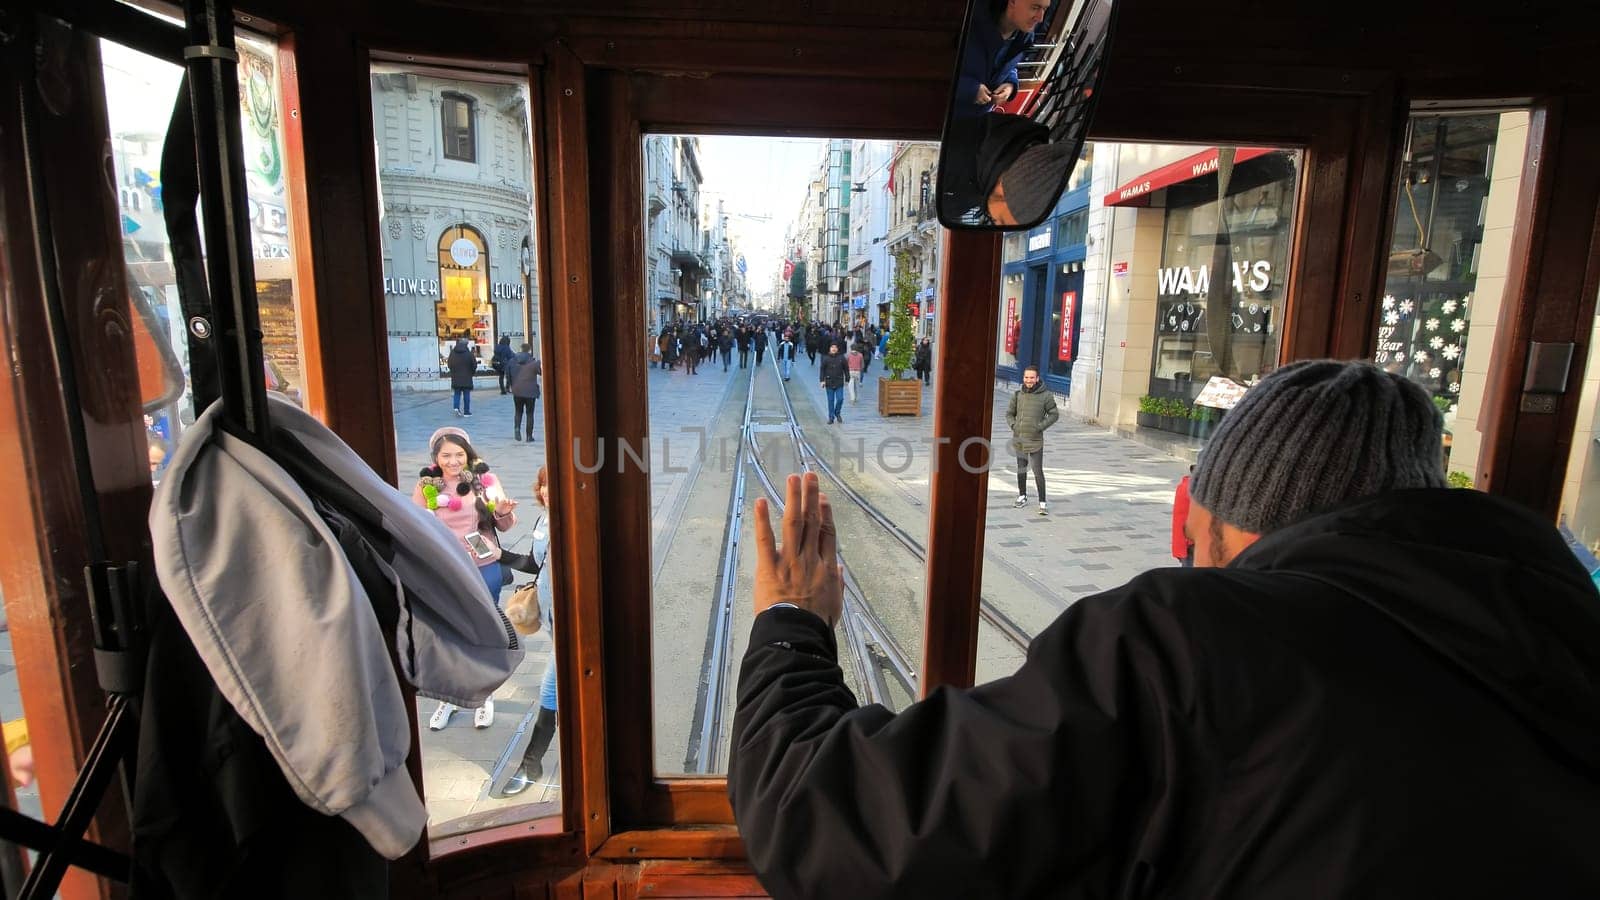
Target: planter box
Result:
[[1147, 420], [899, 397]]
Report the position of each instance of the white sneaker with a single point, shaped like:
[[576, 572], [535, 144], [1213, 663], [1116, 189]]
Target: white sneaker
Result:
[[1044, 508], [1021, 501], [440, 717], [484, 717]]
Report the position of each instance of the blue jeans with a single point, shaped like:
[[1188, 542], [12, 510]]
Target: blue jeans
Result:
[[493, 578], [788, 366], [462, 400], [835, 402], [547, 684]]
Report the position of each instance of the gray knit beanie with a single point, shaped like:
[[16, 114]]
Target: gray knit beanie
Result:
[[1312, 435]]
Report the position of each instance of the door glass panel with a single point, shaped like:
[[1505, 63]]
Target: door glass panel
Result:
[[140, 91], [1456, 199], [456, 176], [1580, 496], [760, 240], [1115, 300]]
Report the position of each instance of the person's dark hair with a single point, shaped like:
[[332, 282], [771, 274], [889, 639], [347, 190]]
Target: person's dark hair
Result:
[[459, 441], [1033, 369], [526, 346], [1219, 551]]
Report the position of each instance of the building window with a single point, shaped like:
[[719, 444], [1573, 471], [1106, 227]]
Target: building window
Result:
[[1072, 229], [460, 137]]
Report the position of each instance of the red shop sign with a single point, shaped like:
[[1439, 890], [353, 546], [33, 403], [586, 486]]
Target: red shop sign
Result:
[[1011, 325], [1069, 299]]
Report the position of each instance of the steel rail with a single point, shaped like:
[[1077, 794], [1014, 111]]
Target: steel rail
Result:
[[877, 689], [904, 670], [705, 741], [986, 608]]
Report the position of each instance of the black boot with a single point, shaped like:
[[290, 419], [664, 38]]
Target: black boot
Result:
[[532, 768]]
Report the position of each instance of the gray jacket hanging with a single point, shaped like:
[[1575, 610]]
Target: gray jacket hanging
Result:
[[272, 604]]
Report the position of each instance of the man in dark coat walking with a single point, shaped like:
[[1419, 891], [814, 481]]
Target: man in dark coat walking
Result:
[[523, 370], [1369, 686], [462, 365], [833, 375], [503, 355]]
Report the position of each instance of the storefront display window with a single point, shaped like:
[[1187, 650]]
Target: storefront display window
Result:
[[464, 310], [1222, 278], [1010, 320]]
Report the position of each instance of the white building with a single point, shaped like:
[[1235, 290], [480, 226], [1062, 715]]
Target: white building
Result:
[[868, 288], [454, 168]]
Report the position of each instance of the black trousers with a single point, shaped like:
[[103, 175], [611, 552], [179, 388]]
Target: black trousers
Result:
[[1036, 459], [523, 404]]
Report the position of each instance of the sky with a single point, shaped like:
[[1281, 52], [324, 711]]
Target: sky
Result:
[[758, 176]]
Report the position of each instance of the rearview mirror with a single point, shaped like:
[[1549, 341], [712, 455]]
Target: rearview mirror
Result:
[[1024, 92]]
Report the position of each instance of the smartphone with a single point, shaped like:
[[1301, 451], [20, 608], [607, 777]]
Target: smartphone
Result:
[[480, 547]]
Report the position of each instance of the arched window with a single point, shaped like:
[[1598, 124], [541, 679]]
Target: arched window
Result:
[[457, 127], [463, 309]]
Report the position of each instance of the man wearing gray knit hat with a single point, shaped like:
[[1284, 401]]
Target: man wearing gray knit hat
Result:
[[1369, 686], [1307, 438]]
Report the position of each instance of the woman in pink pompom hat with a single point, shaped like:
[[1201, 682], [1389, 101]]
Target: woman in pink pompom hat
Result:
[[459, 489]]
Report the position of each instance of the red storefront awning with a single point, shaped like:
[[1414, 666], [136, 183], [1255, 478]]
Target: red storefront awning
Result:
[[1137, 192]]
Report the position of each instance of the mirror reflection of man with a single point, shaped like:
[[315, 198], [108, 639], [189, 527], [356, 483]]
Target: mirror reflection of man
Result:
[[989, 59]]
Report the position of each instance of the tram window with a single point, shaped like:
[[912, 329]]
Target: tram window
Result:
[[1456, 202], [140, 91], [1117, 328], [787, 237], [460, 294]]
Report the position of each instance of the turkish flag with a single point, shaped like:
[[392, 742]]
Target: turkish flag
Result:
[[788, 268]]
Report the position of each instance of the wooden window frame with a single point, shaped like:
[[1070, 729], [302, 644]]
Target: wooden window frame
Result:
[[589, 243]]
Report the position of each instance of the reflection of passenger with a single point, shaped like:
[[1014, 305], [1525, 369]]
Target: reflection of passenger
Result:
[[981, 144], [989, 59]]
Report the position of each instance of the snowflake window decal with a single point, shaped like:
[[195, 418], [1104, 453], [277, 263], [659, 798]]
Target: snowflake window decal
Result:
[[1437, 342], [1406, 306], [1458, 325], [1433, 372], [1452, 352], [1391, 318], [1420, 356], [1388, 301], [1449, 307], [1431, 324]]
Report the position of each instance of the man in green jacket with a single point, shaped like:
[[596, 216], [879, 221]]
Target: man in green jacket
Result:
[[1032, 410]]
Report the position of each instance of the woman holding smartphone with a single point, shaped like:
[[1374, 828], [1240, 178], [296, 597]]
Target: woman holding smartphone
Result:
[[459, 489]]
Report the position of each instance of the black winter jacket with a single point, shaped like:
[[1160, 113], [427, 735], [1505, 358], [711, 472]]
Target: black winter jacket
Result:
[[1398, 698], [834, 370], [463, 364]]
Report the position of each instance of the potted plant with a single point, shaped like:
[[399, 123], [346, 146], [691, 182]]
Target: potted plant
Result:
[[1201, 420], [1174, 415], [898, 395], [1149, 412]]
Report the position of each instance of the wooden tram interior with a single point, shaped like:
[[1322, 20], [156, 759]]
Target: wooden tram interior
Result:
[[1337, 82]]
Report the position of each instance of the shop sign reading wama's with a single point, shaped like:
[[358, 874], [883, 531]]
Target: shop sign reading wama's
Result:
[[1185, 280]]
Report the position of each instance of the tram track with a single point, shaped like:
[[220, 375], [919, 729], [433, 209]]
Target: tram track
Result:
[[881, 664], [997, 618], [711, 700]]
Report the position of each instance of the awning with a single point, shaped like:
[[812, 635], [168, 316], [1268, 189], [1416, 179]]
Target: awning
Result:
[[1137, 192]]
